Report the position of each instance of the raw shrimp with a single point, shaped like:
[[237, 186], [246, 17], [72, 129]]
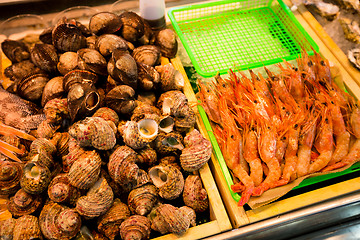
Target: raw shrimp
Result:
[[307, 66], [322, 68], [306, 140], [296, 84], [323, 143], [267, 150], [251, 155], [342, 136], [209, 101]]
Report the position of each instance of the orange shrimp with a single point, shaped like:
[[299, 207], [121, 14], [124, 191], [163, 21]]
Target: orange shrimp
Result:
[[322, 68], [323, 143], [342, 136], [307, 66], [267, 150], [296, 84], [209, 101], [306, 140], [251, 155]]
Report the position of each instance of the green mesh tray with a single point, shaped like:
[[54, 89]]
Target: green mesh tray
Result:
[[243, 33]]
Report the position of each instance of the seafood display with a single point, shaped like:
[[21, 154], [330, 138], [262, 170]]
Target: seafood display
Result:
[[272, 130], [100, 136]]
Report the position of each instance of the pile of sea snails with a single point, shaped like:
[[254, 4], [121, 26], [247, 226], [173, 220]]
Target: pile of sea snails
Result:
[[118, 147]]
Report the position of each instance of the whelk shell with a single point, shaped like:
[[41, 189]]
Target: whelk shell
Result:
[[10, 175], [109, 223], [23, 203], [170, 78], [59, 222], [141, 200], [145, 111], [146, 156], [168, 179], [56, 110], [169, 143], [139, 134], [135, 227], [97, 201], [173, 103], [61, 191]]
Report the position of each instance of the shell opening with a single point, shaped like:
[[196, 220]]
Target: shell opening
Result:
[[148, 128], [167, 124], [158, 177], [166, 107], [35, 171], [172, 142], [92, 100]]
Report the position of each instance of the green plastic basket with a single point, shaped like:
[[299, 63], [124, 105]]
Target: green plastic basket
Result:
[[244, 34]]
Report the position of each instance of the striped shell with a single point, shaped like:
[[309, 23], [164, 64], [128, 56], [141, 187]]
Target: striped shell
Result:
[[147, 54], [61, 191], [59, 222], [135, 227], [7, 228], [139, 134], [196, 153], [45, 57], [67, 36], [122, 167], [35, 178], [185, 123], [95, 132], [97, 201], [173, 103], [61, 142], [85, 171], [27, 227], [46, 130], [41, 152], [141, 200], [10, 175], [107, 114], [166, 218], [168, 179], [146, 156], [109, 223], [169, 143], [75, 151], [194, 195], [56, 110], [190, 213], [170, 78], [23, 203]]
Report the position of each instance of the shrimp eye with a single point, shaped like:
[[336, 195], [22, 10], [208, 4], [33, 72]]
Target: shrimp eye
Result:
[[283, 108], [296, 69], [303, 75], [284, 138], [232, 136], [207, 90], [310, 63], [296, 125], [224, 85], [322, 62], [255, 101]]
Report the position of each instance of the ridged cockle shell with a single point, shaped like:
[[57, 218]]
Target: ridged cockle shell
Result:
[[142, 199], [190, 213], [23, 203], [196, 153], [194, 195], [95, 132], [139, 134], [41, 152], [167, 42], [146, 156], [85, 171], [109, 223], [61, 191], [122, 167], [170, 78], [45, 57], [185, 123], [135, 227], [97, 201], [35, 178], [147, 111], [166, 218], [10, 175], [173, 103], [147, 54], [59, 222], [27, 227], [168, 179]]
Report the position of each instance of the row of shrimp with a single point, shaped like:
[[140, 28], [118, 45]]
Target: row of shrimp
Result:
[[275, 129]]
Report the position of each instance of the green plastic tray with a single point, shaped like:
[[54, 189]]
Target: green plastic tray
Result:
[[243, 33]]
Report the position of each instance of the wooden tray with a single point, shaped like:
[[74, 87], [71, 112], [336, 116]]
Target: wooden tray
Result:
[[240, 216]]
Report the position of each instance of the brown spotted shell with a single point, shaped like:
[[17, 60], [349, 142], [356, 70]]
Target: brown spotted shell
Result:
[[170, 78], [85, 171], [61, 191], [56, 110], [141, 200], [97, 201], [190, 213], [109, 223], [35, 178], [45, 57], [166, 123], [146, 156], [173, 103], [59, 222], [122, 167], [139, 134], [168, 179], [169, 143], [194, 195], [10, 175], [23, 203], [67, 62], [91, 60], [135, 227], [104, 22], [75, 151], [166, 218], [147, 54], [7, 228], [93, 132], [166, 40], [107, 114], [196, 153], [27, 227]]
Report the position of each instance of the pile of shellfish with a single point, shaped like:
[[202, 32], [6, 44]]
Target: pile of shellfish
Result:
[[118, 150]]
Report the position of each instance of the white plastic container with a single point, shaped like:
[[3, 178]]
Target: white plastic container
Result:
[[154, 12]]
